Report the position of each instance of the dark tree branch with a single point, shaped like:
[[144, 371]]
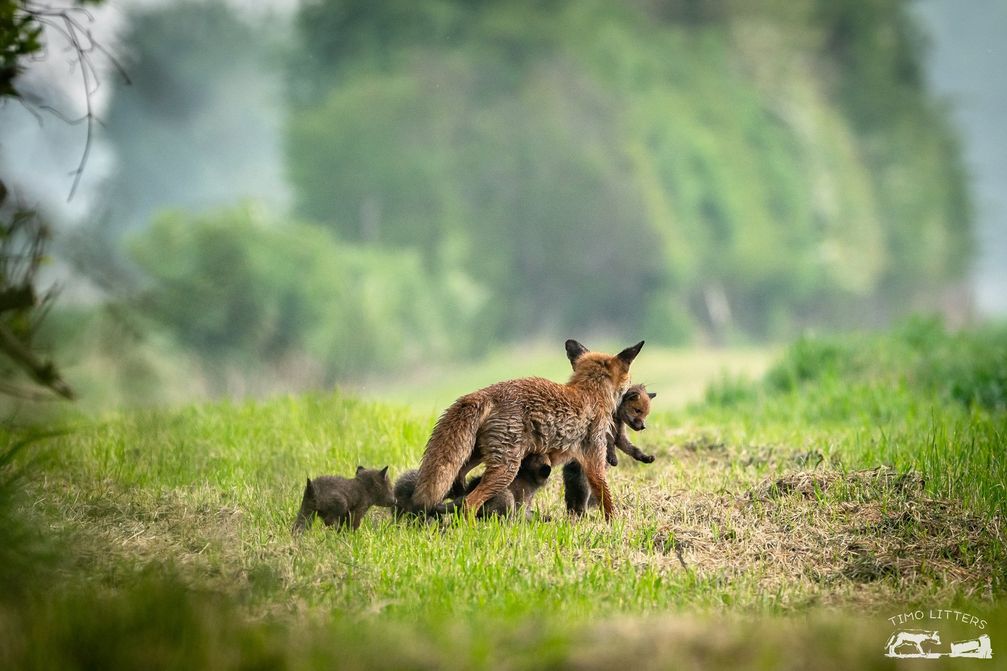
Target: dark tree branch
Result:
[[17, 298], [71, 22], [43, 372]]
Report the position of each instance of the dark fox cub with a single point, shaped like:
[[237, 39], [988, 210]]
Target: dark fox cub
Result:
[[343, 502], [632, 411], [405, 486], [532, 474]]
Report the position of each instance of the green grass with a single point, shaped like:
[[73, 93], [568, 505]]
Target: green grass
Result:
[[782, 516]]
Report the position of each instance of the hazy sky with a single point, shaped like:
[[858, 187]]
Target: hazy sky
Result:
[[968, 64], [38, 151]]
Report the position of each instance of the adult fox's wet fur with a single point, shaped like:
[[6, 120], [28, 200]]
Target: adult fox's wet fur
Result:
[[501, 424], [532, 474]]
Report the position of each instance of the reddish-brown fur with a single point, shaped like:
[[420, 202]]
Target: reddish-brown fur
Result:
[[502, 423], [632, 412]]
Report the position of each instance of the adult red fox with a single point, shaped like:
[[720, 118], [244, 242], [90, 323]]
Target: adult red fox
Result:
[[502, 423]]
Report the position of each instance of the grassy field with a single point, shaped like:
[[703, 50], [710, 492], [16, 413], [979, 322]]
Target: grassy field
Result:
[[784, 521]]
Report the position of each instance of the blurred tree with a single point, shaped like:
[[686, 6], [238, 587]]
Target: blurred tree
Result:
[[658, 164], [23, 237], [198, 127], [240, 289], [877, 49]]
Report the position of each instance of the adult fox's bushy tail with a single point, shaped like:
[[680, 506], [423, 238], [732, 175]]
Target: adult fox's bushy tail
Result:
[[450, 446]]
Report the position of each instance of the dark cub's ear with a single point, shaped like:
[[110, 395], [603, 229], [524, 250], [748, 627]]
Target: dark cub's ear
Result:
[[359, 468], [544, 470], [630, 395], [574, 351], [651, 394], [627, 355], [384, 472]]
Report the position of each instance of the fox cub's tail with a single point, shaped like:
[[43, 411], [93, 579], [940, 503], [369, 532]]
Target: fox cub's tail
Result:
[[451, 445], [306, 515]]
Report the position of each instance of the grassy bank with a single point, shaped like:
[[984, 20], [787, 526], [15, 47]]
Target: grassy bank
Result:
[[783, 522]]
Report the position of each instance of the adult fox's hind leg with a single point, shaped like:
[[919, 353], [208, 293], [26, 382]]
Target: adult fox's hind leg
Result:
[[496, 478]]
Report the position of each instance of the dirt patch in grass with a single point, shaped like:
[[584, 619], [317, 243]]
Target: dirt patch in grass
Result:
[[833, 528]]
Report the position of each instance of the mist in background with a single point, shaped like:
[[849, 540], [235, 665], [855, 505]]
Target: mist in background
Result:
[[966, 65], [297, 195]]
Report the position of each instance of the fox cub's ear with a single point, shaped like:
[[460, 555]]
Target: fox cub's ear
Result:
[[574, 350], [359, 468], [651, 394], [630, 395], [384, 472], [627, 355]]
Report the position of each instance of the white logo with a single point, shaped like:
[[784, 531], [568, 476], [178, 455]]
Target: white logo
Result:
[[926, 643]]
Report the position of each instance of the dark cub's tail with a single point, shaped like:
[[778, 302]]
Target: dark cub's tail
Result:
[[306, 515]]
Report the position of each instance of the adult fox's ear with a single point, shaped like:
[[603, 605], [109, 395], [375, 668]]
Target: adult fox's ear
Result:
[[627, 355], [651, 394], [574, 351]]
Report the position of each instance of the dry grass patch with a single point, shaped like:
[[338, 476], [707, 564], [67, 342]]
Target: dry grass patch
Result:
[[831, 528]]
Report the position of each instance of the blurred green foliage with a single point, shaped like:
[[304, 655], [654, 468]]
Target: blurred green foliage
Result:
[[676, 170], [920, 357], [669, 166], [241, 289]]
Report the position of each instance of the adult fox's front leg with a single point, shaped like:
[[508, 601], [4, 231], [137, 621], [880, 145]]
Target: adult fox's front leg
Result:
[[593, 462]]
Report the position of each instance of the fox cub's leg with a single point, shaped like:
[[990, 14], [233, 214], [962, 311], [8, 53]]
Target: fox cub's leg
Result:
[[356, 516], [575, 488], [496, 478], [622, 442]]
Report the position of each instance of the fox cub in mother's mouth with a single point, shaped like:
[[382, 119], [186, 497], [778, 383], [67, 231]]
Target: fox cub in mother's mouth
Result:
[[343, 502], [632, 412]]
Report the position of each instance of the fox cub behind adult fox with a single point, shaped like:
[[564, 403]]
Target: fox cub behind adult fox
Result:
[[343, 502], [532, 474]]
